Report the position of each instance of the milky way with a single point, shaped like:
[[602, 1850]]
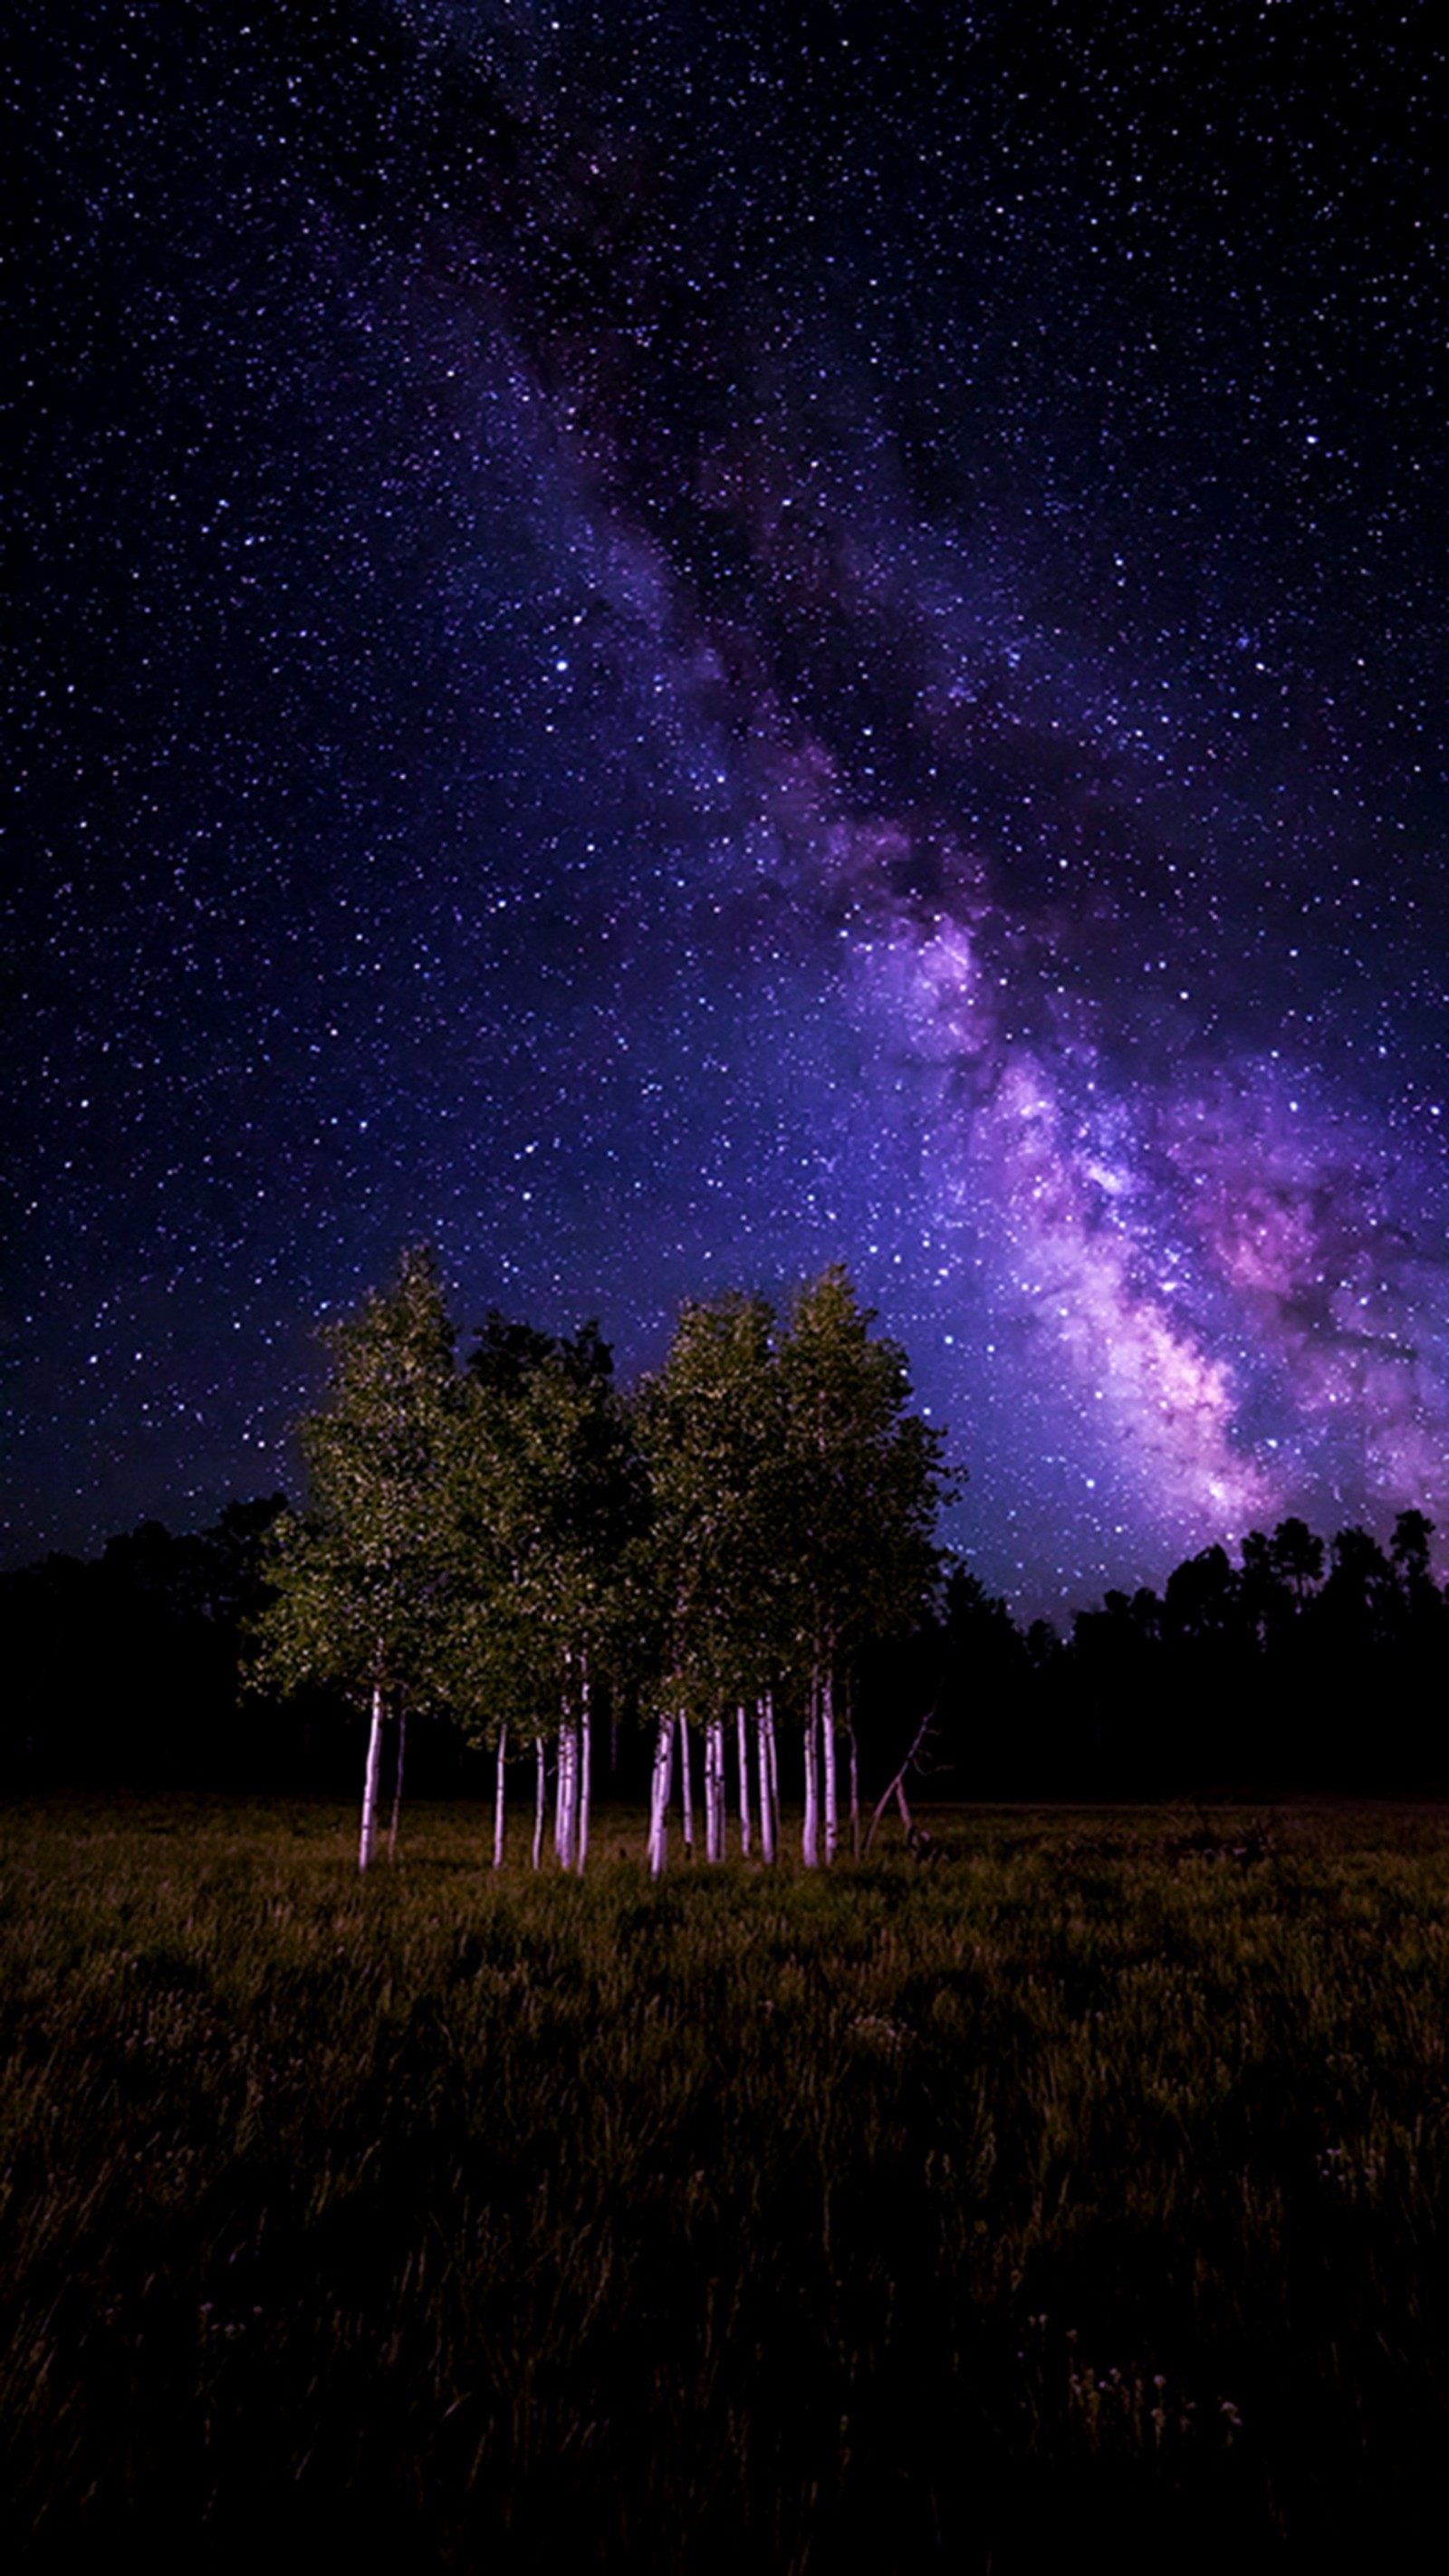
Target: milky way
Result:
[[666, 647]]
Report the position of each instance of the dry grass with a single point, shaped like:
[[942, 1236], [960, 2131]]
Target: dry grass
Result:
[[1093, 2181]]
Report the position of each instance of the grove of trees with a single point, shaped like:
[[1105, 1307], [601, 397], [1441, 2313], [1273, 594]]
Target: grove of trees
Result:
[[714, 1549], [720, 1584]]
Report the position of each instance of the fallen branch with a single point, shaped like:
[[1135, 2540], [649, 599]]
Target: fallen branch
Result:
[[897, 1789]]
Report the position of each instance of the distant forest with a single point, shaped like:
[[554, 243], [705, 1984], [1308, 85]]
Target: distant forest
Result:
[[1307, 1666]]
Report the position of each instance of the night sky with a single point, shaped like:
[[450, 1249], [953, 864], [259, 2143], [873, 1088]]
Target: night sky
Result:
[[666, 644]]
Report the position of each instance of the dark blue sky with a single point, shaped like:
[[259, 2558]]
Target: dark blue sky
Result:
[[669, 644]]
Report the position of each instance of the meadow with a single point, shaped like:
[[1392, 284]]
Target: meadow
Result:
[[1087, 2187]]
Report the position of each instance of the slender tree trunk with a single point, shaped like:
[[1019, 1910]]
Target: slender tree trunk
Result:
[[566, 1783], [769, 1780], [370, 1780], [718, 1805], [659, 1797], [540, 1801], [854, 1797], [561, 1773], [686, 1784], [402, 1743], [581, 1826], [498, 1798], [744, 1743], [810, 1826], [827, 1731], [566, 1794]]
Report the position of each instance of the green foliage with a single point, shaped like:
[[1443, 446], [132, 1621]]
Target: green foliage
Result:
[[864, 1477], [1085, 2194], [359, 1584], [711, 1427], [763, 1506], [795, 1496], [543, 1495]]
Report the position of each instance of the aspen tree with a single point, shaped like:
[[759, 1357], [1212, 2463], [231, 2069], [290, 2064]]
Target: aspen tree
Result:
[[744, 1778], [686, 1783], [711, 1850], [372, 1765], [501, 1757], [581, 1820], [708, 1425], [827, 1747], [543, 1494], [768, 1782], [810, 1818], [659, 1796], [714, 1789], [563, 1815], [862, 1480], [360, 1584]]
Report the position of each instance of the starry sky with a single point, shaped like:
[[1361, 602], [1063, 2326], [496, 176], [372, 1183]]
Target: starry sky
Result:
[[664, 644]]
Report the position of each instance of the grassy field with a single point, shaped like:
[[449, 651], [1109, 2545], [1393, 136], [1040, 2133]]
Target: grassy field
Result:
[[1088, 2186]]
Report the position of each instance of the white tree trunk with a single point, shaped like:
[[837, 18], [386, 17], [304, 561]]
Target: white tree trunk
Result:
[[722, 1786], [854, 1798], [581, 1796], [566, 1794], [540, 1801], [765, 1752], [498, 1798], [716, 1812], [744, 1743], [827, 1736], [686, 1784], [659, 1797], [369, 1781], [810, 1825]]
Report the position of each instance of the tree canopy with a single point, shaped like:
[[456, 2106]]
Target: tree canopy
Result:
[[360, 1580]]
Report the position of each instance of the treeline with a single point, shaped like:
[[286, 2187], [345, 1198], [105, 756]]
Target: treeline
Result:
[[1322, 1665], [732, 1567], [126, 1670]]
